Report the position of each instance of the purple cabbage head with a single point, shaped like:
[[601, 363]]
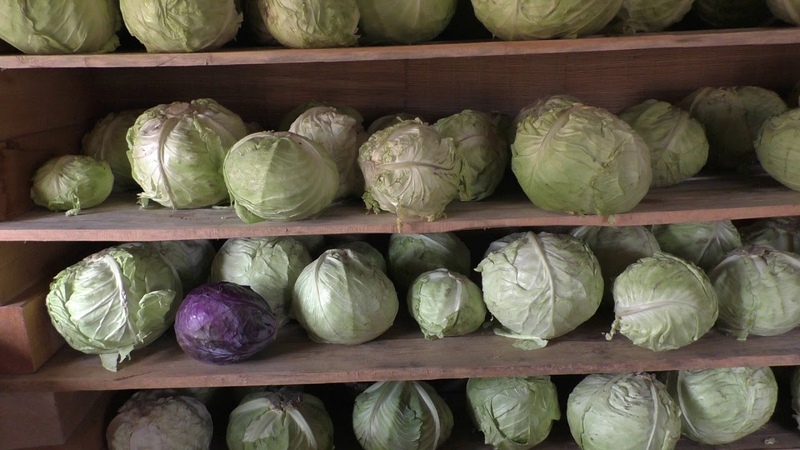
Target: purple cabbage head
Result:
[[223, 323]]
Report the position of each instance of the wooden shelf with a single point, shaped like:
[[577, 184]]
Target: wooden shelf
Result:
[[279, 55], [121, 219]]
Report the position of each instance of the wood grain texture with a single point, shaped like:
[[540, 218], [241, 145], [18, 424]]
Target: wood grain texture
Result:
[[27, 337], [26, 264]]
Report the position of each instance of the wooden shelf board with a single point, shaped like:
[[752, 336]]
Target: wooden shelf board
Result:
[[121, 219], [443, 49]]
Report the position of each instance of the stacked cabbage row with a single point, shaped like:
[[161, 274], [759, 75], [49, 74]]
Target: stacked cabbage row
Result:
[[75, 26], [635, 411]]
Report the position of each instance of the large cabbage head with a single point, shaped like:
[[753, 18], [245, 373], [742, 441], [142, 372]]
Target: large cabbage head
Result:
[[410, 169], [68, 26], [662, 302], [313, 23], [514, 20], [758, 290], [72, 182], [483, 150], [176, 152], [404, 22], [733, 13], [701, 243], [719, 406], [541, 286], [732, 117], [786, 10], [343, 298], [623, 412], [651, 15], [107, 142], [411, 255], [269, 265], [181, 25], [777, 148], [401, 415], [155, 419], [278, 175], [574, 158], [115, 301], [190, 258], [281, 419], [780, 233], [341, 135], [677, 142], [446, 303], [513, 413]]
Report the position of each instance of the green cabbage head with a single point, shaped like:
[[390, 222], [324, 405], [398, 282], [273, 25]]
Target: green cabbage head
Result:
[[368, 251], [313, 23], [651, 15], [513, 413], [115, 301], [165, 26], [176, 152], [574, 158], [446, 303], [42, 27], [72, 182], [541, 286], [404, 22], [722, 405], [107, 142], [513, 20], [401, 415], [191, 259], [281, 419], [279, 175], [701, 243], [623, 412], [780, 233], [786, 10], [777, 148], [411, 255], [759, 291]]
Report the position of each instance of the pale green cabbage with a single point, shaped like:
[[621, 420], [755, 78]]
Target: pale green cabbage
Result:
[[278, 175], [780, 233], [623, 412], [499, 244], [269, 265], [292, 115], [107, 142], [367, 251], [313, 23], [677, 143], [786, 10], [544, 19], [701, 243], [777, 148], [343, 298], [662, 302], [401, 415], [570, 157], [165, 26], [411, 255], [115, 301], [280, 419], [71, 183], [176, 152], [720, 406], [651, 15], [445, 303], [758, 290], [513, 413], [541, 286], [190, 258], [733, 13], [58, 27], [405, 21]]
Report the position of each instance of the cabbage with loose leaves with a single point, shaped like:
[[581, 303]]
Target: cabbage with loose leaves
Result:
[[701, 243], [445, 303], [71, 183], [404, 22], [313, 23], [410, 255]]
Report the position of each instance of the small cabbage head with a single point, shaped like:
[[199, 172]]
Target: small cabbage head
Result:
[[732, 117], [780, 233], [677, 142], [278, 175], [292, 115], [280, 419], [544, 19], [410, 169], [786, 10], [176, 152], [405, 22], [513, 413], [651, 15], [795, 391], [541, 286], [701, 243], [340, 135], [42, 27], [411, 255], [733, 13], [190, 258], [722, 405], [72, 182], [574, 158], [446, 303], [662, 302], [269, 265], [155, 419], [115, 301], [483, 150], [777, 148], [313, 23], [342, 298], [758, 290], [180, 26], [107, 142], [389, 120], [628, 411], [401, 415], [367, 251]]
